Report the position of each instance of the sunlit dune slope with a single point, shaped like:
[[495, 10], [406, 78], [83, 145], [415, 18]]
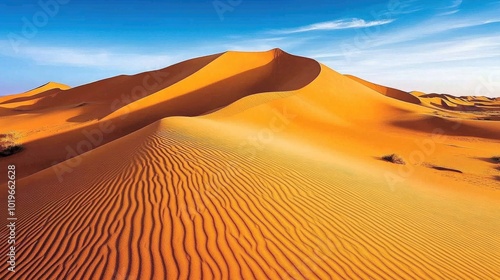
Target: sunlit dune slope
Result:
[[253, 166], [351, 119]]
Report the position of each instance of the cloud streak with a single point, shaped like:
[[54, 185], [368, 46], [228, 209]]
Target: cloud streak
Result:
[[417, 32], [455, 4], [334, 25], [454, 66], [92, 58]]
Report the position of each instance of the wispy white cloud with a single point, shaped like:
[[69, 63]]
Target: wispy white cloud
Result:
[[76, 57], [458, 49], [417, 32], [334, 25], [452, 8], [93, 58], [455, 4], [452, 12], [453, 66]]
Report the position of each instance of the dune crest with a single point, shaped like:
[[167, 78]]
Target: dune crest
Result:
[[387, 91]]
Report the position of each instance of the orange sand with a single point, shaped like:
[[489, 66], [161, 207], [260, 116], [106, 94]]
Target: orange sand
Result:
[[252, 166]]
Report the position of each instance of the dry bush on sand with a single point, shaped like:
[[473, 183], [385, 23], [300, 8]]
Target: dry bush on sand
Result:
[[394, 159], [9, 144]]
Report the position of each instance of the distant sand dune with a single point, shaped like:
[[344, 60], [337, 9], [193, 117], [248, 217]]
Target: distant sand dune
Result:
[[33, 94]]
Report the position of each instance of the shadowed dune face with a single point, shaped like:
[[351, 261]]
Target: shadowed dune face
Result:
[[251, 166], [275, 72], [135, 86]]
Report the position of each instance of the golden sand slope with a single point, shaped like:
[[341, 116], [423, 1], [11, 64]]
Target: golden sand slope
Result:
[[391, 92], [283, 180]]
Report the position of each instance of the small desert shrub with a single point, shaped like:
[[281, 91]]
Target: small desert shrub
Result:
[[394, 159], [9, 144]]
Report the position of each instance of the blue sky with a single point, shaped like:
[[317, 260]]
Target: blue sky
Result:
[[452, 46]]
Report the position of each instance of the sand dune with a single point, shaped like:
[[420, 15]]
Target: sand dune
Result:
[[33, 94], [75, 116], [468, 107], [252, 166], [387, 91]]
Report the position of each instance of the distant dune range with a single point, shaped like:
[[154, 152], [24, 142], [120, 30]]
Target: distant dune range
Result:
[[252, 166]]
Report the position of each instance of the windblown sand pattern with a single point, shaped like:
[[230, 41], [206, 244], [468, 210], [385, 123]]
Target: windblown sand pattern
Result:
[[174, 207]]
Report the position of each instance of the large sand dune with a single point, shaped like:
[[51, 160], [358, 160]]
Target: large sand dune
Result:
[[252, 166]]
